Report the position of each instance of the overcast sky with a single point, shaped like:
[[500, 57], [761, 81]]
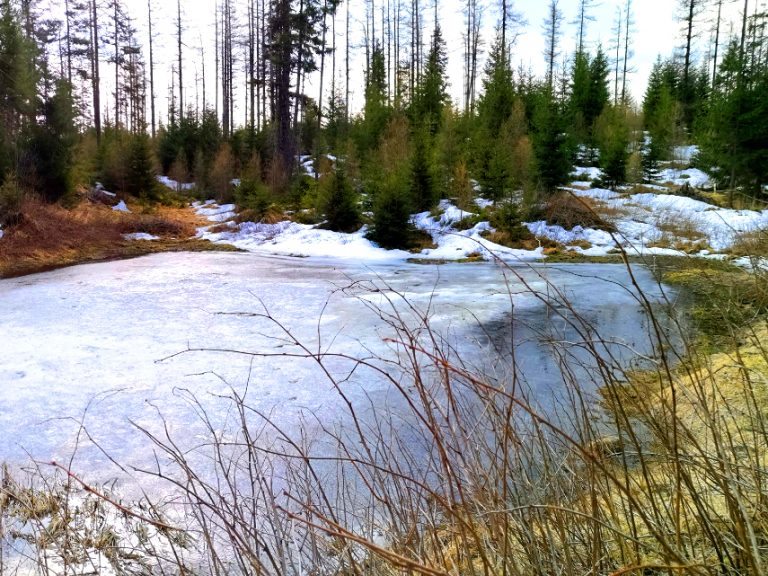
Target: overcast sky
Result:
[[656, 31]]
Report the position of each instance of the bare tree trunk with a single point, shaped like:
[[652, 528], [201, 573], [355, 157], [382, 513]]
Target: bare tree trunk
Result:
[[202, 62], [252, 65], [625, 70], [322, 68], [471, 46], [225, 70], [68, 17], [95, 80], [180, 57], [618, 48], [346, 57], [151, 69], [217, 46], [117, 66], [552, 29], [688, 42]]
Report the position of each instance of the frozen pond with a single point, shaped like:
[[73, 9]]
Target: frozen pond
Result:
[[98, 343]]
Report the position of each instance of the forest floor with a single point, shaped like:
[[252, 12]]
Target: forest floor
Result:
[[49, 236]]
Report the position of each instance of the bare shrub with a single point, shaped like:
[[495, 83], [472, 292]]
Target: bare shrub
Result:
[[568, 211]]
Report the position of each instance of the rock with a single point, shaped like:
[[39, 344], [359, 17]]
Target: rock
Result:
[[99, 195]]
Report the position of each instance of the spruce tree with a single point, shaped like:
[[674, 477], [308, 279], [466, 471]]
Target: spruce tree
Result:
[[431, 93], [338, 202]]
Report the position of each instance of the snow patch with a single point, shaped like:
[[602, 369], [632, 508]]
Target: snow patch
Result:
[[121, 207], [173, 184], [685, 154], [590, 172], [140, 236], [692, 176]]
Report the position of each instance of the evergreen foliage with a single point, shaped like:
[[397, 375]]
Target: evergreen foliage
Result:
[[423, 192], [48, 160], [612, 135], [140, 177], [551, 144], [338, 202], [431, 94]]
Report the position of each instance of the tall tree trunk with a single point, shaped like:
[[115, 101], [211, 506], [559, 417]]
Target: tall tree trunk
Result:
[[151, 70], [717, 40], [618, 48], [625, 70], [346, 64], [217, 44], [252, 65], [68, 17], [552, 30], [322, 68], [117, 64], [95, 80], [691, 6], [180, 57]]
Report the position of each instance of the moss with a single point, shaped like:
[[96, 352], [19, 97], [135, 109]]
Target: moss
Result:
[[724, 298]]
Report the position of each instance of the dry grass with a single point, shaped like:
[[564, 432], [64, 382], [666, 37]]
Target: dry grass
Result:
[[752, 244], [49, 236]]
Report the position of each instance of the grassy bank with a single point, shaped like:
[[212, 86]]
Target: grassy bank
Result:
[[49, 236]]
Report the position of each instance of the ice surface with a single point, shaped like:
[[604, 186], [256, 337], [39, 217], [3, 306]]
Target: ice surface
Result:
[[95, 343]]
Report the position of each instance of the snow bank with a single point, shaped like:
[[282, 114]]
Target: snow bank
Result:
[[121, 207], [596, 193], [293, 239], [692, 176], [214, 212], [649, 218], [647, 223]]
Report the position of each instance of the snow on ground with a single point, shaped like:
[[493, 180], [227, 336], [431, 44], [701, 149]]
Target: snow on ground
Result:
[[140, 236], [645, 223], [293, 239], [1, 232], [691, 176], [121, 207], [588, 173], [685, 154], [173, 185], [663, 219]]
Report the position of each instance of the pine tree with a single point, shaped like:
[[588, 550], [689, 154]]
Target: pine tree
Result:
[[612, 136], [51, 145], [338, 202], [495, 104], [431, 93], [422, 188], [18, 97]]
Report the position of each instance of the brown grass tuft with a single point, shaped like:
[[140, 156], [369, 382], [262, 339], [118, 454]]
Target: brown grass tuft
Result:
[[568, 211]]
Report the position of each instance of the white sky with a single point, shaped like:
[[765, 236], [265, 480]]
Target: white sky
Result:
[[656, 32]]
